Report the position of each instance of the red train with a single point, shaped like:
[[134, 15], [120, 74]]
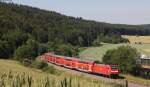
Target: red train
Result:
[[86, 66]]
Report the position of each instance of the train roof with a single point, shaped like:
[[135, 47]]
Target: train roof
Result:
[[73, 58], [79, 59]]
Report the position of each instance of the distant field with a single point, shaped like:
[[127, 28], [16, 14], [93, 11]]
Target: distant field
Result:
[[12, 74], [137, 39], [96, 53]]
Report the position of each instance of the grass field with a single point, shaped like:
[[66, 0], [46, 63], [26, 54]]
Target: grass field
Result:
[[96, 53], [137, 39], [137, 79], [12, 74], [144, 40]]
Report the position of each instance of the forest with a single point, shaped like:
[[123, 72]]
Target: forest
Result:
[[26, 32]]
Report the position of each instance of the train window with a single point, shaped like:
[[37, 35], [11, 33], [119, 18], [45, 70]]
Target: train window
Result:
[[68, 59], [83, 62], [114, 67]]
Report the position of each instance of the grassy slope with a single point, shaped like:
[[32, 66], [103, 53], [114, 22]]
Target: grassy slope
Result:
[[96, 53], [39, 77], [13, 66], [137, 79]]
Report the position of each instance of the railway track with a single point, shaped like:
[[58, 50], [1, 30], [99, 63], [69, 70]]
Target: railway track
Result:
[[118, 81]]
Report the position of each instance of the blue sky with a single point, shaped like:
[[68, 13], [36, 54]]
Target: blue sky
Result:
[[111, 11]]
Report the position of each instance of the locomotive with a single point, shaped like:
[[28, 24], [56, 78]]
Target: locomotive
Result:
[[82, 65]]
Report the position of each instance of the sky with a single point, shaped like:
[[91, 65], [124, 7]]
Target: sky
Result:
[[110, 11]]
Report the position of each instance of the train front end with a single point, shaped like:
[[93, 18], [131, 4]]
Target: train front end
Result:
[[114, 70]]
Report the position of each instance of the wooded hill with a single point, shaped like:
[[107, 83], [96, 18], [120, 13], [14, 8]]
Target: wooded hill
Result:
[[20, 23]]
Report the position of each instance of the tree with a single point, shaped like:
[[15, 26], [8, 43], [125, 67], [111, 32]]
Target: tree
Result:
[[6, 49], [80, 40], [125, 56], [64, 50], [16, 37], [28, 51]]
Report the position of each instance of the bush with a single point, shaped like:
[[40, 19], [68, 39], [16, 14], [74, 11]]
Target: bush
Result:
[[66, 50], [27, 51], [50, 69], [26, 62], [44, 67], [6, 49], [39, 64], [125, 56]]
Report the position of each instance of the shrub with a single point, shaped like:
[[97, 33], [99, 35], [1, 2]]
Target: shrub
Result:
[[27, 51], [44, 67], [26, 62], [50, 69], [125, 56], [39, 64], [6, 49]]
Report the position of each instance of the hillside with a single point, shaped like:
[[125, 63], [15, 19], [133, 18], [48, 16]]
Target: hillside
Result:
[[15, 75], [47, 26], [21, 26]]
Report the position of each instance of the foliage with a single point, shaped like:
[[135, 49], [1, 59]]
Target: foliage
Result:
[[49, 29], [26, 62], [6, 50], [39, 64], [53, 32], [51, 70], [15, 37], [67, 50], [110, 38], [28, 51], [125, 56]]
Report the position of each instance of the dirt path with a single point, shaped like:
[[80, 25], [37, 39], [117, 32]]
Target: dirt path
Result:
[[119, 81]]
